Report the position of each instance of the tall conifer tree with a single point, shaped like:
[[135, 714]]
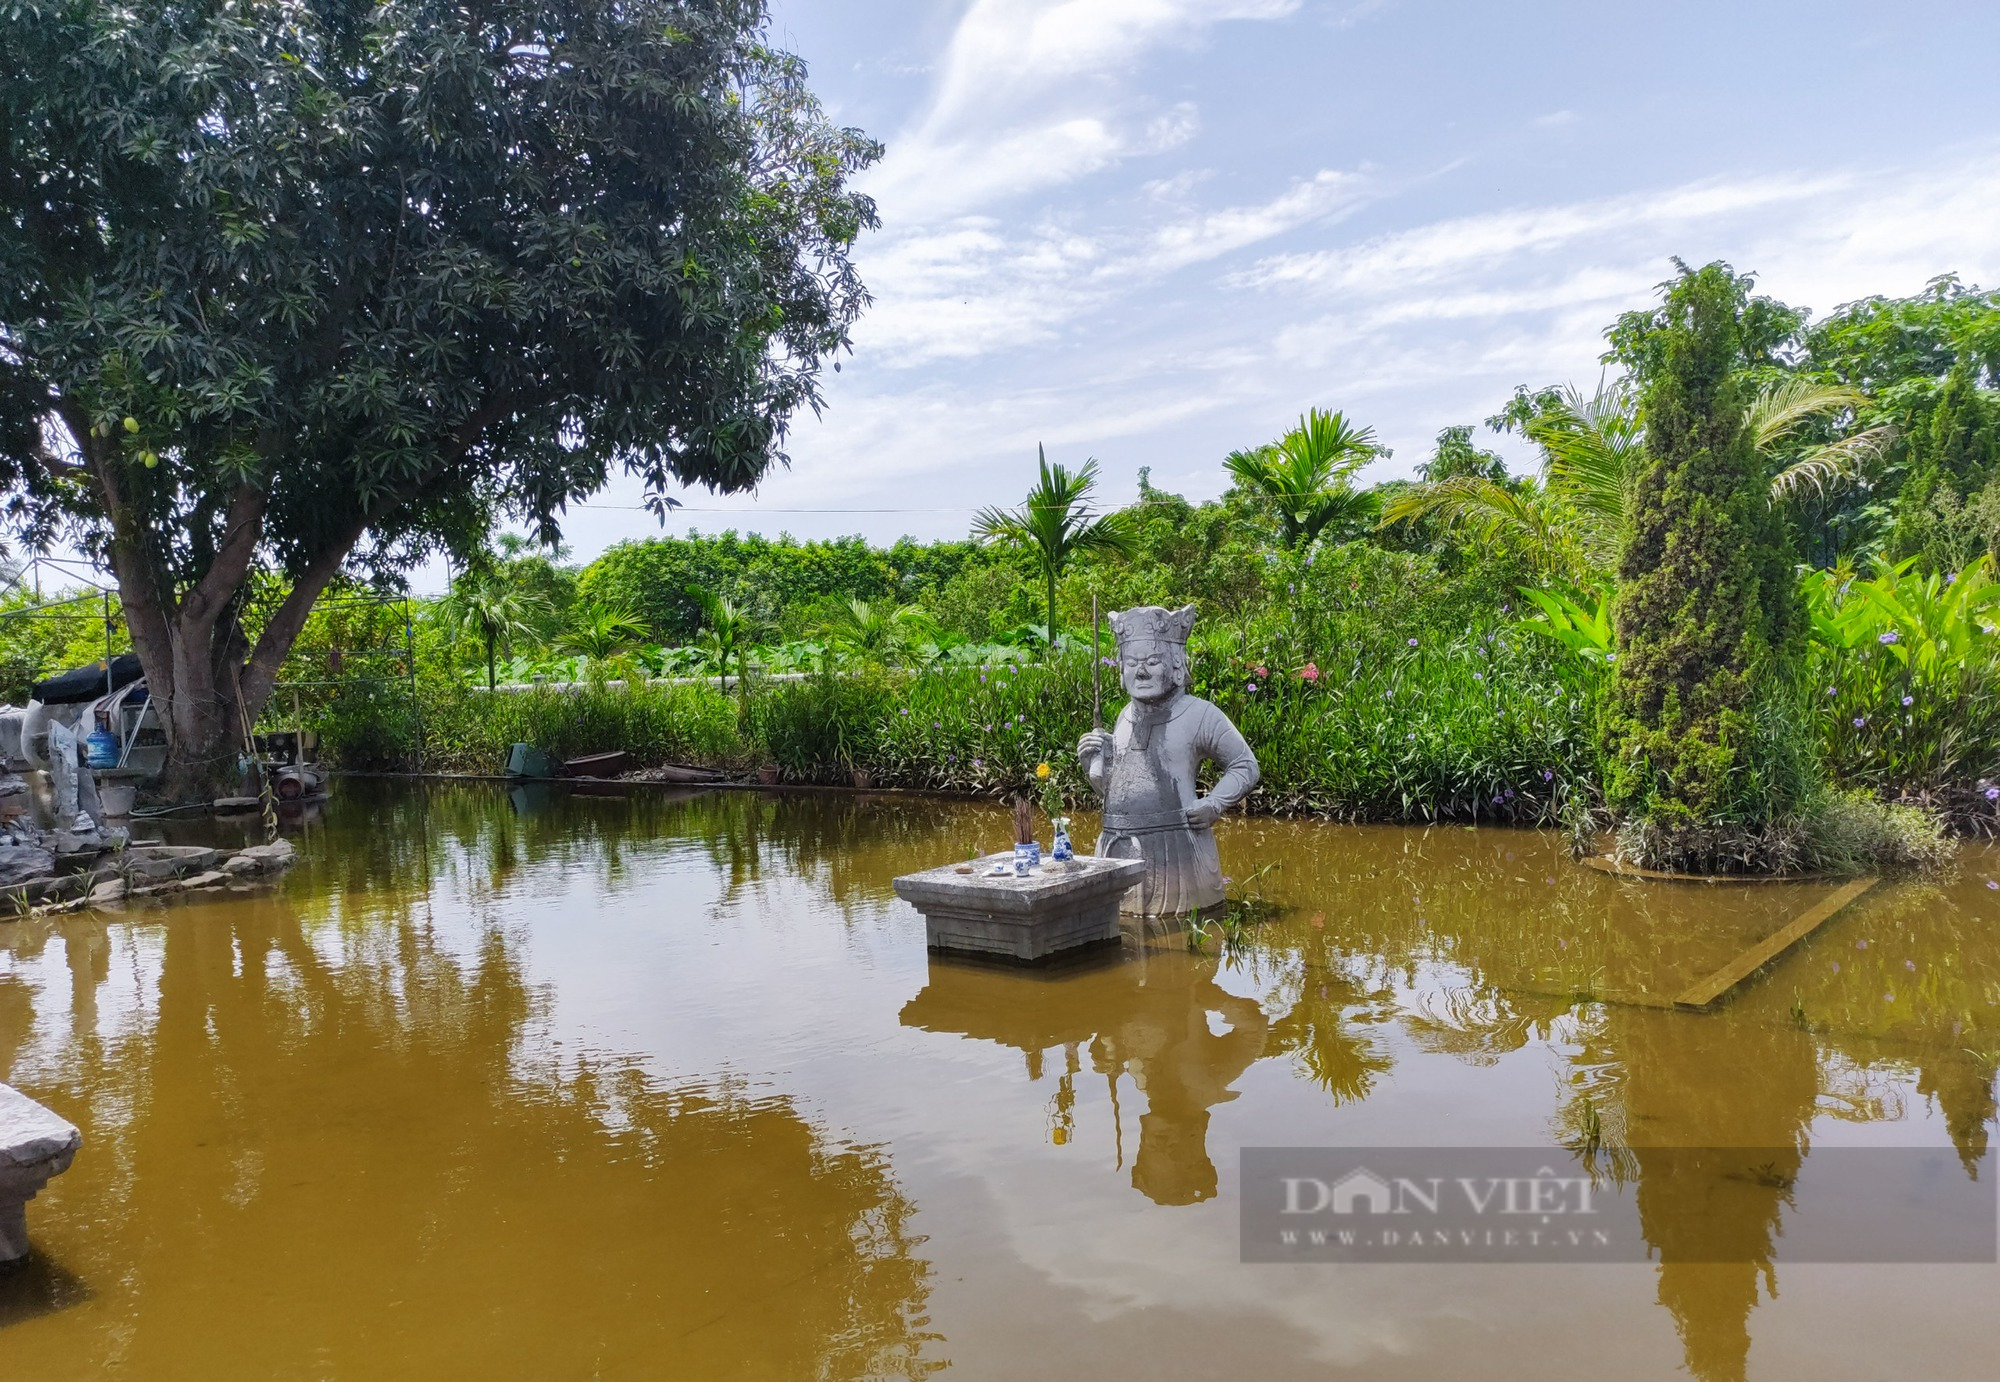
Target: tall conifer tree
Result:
[[1707, 606]]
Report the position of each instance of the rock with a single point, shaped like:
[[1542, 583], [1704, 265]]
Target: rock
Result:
[[151, 863], [35, 1145], [71, 844], [236, 863], [275, 855], [203, 880], [23, 863], [114, 891]]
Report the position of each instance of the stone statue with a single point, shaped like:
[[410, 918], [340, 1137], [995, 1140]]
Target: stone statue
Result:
[[1144, 768]]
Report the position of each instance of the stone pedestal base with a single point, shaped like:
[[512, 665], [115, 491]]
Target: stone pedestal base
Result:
[[1057, 907], [35, 1145]]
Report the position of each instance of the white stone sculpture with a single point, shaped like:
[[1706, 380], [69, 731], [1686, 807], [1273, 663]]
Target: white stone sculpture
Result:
[[76, 805], [1144, 767]]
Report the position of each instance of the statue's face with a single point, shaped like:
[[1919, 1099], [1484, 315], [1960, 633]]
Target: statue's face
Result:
[[1145, 670]]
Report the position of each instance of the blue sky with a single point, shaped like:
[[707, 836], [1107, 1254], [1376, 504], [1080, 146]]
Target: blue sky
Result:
[[1150, 231]]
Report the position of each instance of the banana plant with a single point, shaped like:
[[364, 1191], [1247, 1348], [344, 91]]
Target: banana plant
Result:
[[1584, 628]]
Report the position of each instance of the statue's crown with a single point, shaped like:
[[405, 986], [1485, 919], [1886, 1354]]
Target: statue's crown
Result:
[[1151, 623]]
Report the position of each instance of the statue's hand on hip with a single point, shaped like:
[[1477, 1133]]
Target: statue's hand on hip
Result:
[[1204, 813], [1094, 747]]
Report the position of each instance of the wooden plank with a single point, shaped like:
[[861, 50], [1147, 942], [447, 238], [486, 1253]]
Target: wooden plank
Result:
[[1703, 992], [1605, 864]]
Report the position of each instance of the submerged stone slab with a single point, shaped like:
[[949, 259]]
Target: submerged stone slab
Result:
[[35, 1145], [1057, 907]]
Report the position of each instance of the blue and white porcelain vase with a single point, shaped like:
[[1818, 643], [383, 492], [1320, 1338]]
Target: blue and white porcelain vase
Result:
[[1061, 850]]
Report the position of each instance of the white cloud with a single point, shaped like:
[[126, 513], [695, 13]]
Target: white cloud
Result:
[[969, 288], [1206, 236], [1035, 94], [1400, 259]]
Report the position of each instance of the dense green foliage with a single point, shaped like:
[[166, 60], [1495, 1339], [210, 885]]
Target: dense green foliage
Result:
[[801, 584], [281, 284], [1707, 608], [1904, 667]]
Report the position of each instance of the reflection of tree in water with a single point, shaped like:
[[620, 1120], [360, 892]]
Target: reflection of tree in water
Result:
[[1147, 1017], [847, 847], [1715, 1117], [1329, 1003], [368, 1162]]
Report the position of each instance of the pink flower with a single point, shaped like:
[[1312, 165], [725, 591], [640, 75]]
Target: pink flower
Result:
[[1261, 673], [1309, 672]]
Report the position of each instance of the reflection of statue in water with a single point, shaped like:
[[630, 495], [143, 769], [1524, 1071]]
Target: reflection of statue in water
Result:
[[1145, 767], [1155, 1019]]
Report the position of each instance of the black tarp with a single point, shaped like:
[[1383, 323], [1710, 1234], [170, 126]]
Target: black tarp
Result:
[[88, 683]]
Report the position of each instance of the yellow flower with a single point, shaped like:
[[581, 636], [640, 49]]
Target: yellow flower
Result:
[[1041, 770]]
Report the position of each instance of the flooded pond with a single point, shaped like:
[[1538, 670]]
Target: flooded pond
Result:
[[507, 1084]]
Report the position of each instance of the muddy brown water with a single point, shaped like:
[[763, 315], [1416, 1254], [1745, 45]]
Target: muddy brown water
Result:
[[663, 1084]]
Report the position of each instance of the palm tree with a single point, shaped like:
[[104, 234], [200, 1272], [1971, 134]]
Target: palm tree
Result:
[[729, 631], [1569, 520], [483, 603], [877, 630], [1305, 473], [601, 634], [1056, 523]]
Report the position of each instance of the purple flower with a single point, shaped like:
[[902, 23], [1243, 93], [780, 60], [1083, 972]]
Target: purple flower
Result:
[[1909, 700], [1829, 690], [1510, 794], [1836, 966], [989, 729], [978, 763], [1479, 676], [1860, 720], [982, 678], [1548, 775], [1413, 642], [1611, 657], [1253, 686], [906, 710], [1991, 884], [1993, 793], [1890, 637], [1861, 945], [1910, 965]]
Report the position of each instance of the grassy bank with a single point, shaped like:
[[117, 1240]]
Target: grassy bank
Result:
[[1467, 730]]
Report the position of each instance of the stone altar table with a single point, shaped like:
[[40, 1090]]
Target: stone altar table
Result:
[[35, 1146], [1056, 907]]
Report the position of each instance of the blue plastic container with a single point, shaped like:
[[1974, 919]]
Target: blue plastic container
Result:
[[100, 748]]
